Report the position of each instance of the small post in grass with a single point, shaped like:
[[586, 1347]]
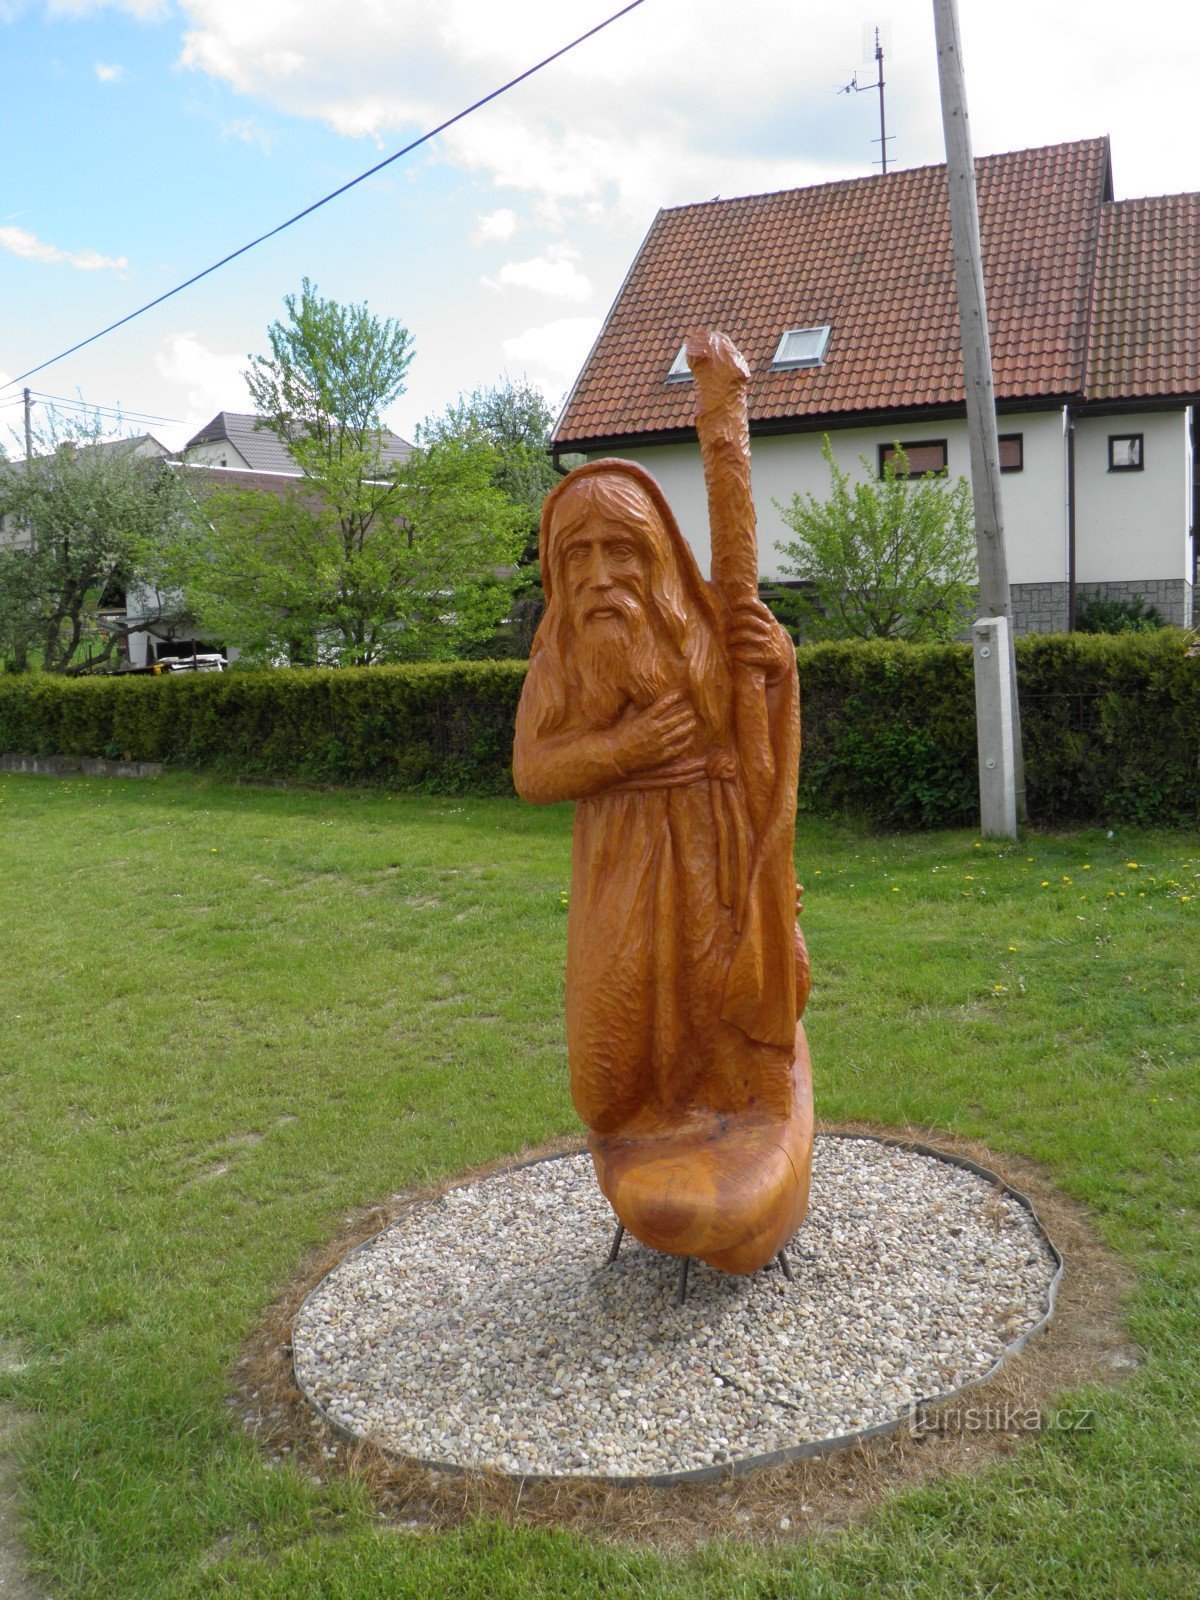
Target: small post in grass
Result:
[[994, 725]]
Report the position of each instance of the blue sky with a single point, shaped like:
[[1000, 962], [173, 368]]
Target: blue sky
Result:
[[145, 138]]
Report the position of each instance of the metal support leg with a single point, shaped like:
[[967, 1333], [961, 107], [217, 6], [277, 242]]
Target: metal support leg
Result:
[[616, 1244], [681, 1287], [785, 1266]]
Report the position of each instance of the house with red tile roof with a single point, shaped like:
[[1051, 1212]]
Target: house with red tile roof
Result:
[[842, 298]]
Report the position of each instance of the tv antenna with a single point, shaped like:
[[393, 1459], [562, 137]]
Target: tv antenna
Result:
[[874, 39]]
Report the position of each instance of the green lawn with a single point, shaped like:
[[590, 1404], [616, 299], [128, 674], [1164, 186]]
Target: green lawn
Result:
[[232, 1016]]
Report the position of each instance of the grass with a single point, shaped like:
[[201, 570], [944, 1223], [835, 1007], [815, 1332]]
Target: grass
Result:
[[232, 1016]]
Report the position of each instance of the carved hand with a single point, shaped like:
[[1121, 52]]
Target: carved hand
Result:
[[756, 640], [659, 733]]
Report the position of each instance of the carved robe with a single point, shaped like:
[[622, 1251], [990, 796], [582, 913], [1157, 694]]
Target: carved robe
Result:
[[685, 967]]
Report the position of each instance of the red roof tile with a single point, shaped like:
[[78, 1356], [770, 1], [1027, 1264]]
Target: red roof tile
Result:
[[1146, 321], [872, 258]]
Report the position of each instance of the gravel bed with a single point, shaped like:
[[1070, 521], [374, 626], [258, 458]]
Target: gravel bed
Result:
[[485, 1329]]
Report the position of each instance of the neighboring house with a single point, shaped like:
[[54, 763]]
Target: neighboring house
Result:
[[240, 452], [241, 439], [842, 299]]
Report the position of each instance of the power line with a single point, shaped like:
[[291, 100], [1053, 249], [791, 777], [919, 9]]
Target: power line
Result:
[[112, 411], [475, 105]]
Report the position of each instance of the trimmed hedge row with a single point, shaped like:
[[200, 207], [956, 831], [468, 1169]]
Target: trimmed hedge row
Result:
[[436, 729], [1111, 726], [1110, 722]]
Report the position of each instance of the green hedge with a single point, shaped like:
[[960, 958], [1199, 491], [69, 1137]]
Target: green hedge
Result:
[[439, 729], [1111, 725]]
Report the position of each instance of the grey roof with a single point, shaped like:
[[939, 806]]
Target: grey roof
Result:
[[262, 450]]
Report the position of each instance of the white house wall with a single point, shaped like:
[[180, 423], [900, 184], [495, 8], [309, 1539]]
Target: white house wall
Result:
[[1131, 528], [216, 453], [783, 465]]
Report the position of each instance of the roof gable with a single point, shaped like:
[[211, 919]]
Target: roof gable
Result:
[[871, 257]]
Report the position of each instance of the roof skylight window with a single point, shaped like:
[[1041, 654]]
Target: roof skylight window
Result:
[[679, 371], [801, 347]]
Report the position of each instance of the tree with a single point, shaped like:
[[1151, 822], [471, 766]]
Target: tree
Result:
[[85, 520], [890, 558], [365, 558], [514, 419]]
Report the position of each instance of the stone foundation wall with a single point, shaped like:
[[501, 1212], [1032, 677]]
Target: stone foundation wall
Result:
[[1042, 607], [1039, 607]]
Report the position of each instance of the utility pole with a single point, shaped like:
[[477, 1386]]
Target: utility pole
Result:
[[1001, 769], [28, 425]]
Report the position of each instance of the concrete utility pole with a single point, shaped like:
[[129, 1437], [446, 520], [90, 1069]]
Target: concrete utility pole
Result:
[[1001, 763], [28, 425]]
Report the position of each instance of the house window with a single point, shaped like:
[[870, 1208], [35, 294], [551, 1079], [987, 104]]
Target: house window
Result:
[[1012, 452], [924, 455], [679, 371], [1125, 452], [800, 347]]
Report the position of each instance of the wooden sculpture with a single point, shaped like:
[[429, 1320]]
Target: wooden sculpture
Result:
[[668, 709]]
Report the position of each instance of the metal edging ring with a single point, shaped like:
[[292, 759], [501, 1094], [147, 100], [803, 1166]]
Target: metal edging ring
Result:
[[741, 1464]]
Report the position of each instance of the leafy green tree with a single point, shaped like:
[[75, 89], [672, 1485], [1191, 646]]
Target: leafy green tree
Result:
[[514, 419], [889, 558], [86, 519], [363, 559]]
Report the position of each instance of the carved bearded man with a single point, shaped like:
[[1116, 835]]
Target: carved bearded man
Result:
[[685, 970]]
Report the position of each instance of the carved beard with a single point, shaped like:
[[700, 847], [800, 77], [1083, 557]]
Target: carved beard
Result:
[[612, 661]]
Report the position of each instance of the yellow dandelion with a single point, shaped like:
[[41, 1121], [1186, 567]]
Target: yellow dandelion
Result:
[[1065, 878], [998, 988], [1087, 867], [1045, 883], [1132, 865], [895, 889], [1012, 949]]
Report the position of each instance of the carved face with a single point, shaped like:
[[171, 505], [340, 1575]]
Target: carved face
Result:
[[605, 572]]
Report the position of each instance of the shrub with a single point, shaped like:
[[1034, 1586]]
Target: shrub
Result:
[[1111, 726], [1099, 613], [444, 728]]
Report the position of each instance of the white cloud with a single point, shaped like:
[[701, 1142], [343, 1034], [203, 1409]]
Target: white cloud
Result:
[[498, 226], [249, 132], [650, 112], [553, 273], [108, 74], [676, 103], [209, 380], [552, 354], [20, 242]]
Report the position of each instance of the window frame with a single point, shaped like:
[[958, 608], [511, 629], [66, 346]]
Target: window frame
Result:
[[779, 364], [1019, 440], [1127, 466], [674, 375], [917, 444]]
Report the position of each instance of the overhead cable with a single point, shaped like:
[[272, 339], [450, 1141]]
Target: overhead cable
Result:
[[475, 105]]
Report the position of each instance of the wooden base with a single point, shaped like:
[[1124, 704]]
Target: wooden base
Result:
[[729, 1191]]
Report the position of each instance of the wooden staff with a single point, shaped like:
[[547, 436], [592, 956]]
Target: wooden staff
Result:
[[723, 427]]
